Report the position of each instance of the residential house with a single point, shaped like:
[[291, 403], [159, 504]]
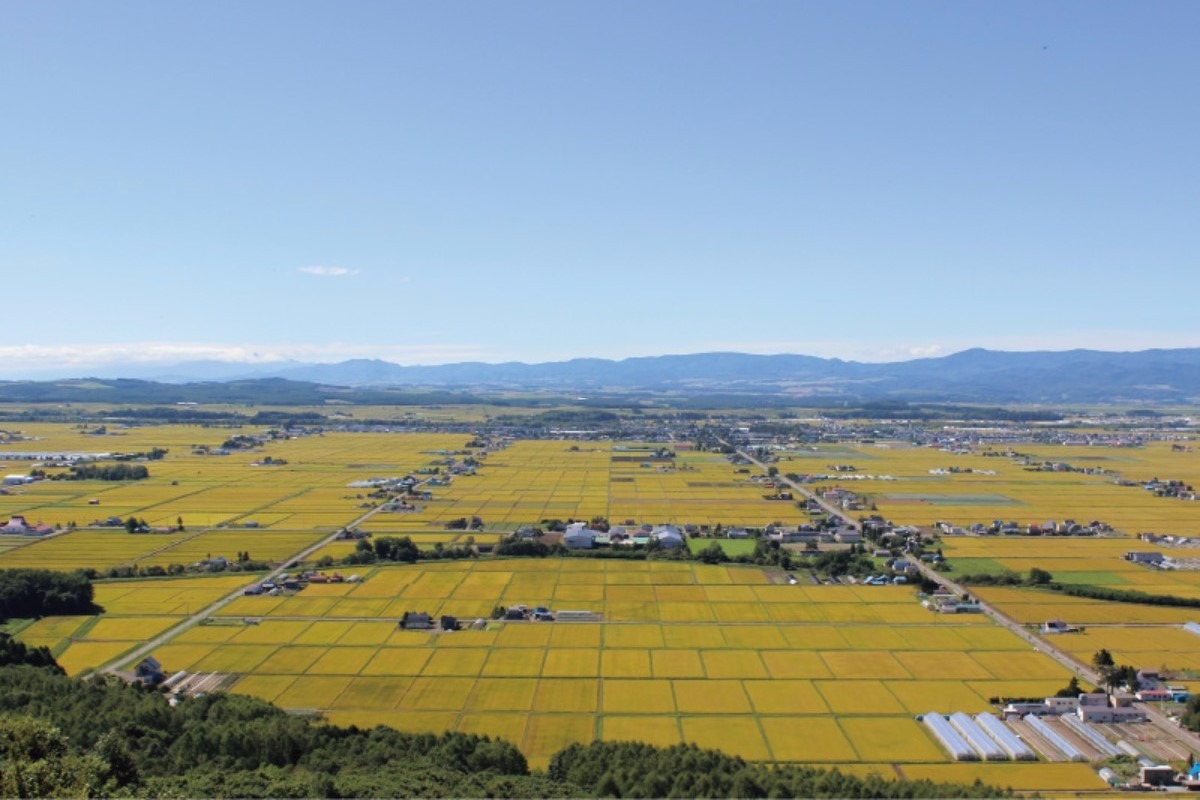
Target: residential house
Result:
[[848, 535], [668, 537], [578, 537], [19, 526], [16, 524], [149, 671]]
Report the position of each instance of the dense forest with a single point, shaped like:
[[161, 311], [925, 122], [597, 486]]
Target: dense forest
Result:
[[628, 769], [105, 472], [14, 652], [65, 737], [43, 593]]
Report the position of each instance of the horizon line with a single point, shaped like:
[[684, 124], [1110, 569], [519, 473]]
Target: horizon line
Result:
[[164, 358]]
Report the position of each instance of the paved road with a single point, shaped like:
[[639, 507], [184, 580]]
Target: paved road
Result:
[[150, 646], [781, 478], [1187, 738]]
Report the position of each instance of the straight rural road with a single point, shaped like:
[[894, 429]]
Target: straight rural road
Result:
[[809, 495], [1157, 717], [151, 645]]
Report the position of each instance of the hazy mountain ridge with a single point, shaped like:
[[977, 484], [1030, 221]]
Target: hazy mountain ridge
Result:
[[976, 375], [982, 375]]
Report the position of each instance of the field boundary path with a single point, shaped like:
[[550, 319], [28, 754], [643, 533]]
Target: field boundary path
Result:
[[1160, 719]]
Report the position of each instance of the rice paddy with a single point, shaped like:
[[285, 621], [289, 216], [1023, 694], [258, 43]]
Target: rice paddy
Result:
[[917, 496], [753, 684], [716, 655]]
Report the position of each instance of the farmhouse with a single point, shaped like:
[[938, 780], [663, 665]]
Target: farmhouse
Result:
[[149, 671], [668, 536], [20, 527], [416, 622], [947, 603], [1096, 707], [785, 536], [578, 537], [1141, 557], [15, 525], [848, 535]]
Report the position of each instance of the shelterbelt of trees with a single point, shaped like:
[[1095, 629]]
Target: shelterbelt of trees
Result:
[[65, 737], [28, 593]]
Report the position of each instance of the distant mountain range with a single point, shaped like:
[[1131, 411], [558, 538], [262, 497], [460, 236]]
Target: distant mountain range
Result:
[[981, 376]]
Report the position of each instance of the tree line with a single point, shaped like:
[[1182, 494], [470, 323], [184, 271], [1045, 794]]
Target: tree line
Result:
[[396, 549], [1125, 596], [631, 769], [121, 471], [1041, 579], [44, 593], [60, 736]]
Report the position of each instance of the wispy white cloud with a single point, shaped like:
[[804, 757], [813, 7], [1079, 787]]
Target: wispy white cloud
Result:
[[328, 272]]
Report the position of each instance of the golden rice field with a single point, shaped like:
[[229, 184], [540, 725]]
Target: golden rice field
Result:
[[716, 655], [1096, 562], [918, 498], [293, 505], [309, 497], [1161, 647], [1021, 777], [754, 688], [134, 611], [621, 591], [535, 480]]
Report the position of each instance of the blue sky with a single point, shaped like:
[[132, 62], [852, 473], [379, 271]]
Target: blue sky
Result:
[[457, 181]]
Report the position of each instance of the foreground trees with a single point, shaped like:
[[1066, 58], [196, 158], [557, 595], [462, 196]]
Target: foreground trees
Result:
[[69, 738]]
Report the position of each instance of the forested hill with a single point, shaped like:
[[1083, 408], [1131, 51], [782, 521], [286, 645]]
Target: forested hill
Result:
[[1076, 376], [65, 737], [970, 376]]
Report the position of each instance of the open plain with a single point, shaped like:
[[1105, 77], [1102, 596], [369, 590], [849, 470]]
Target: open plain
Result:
[[730, 656]]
